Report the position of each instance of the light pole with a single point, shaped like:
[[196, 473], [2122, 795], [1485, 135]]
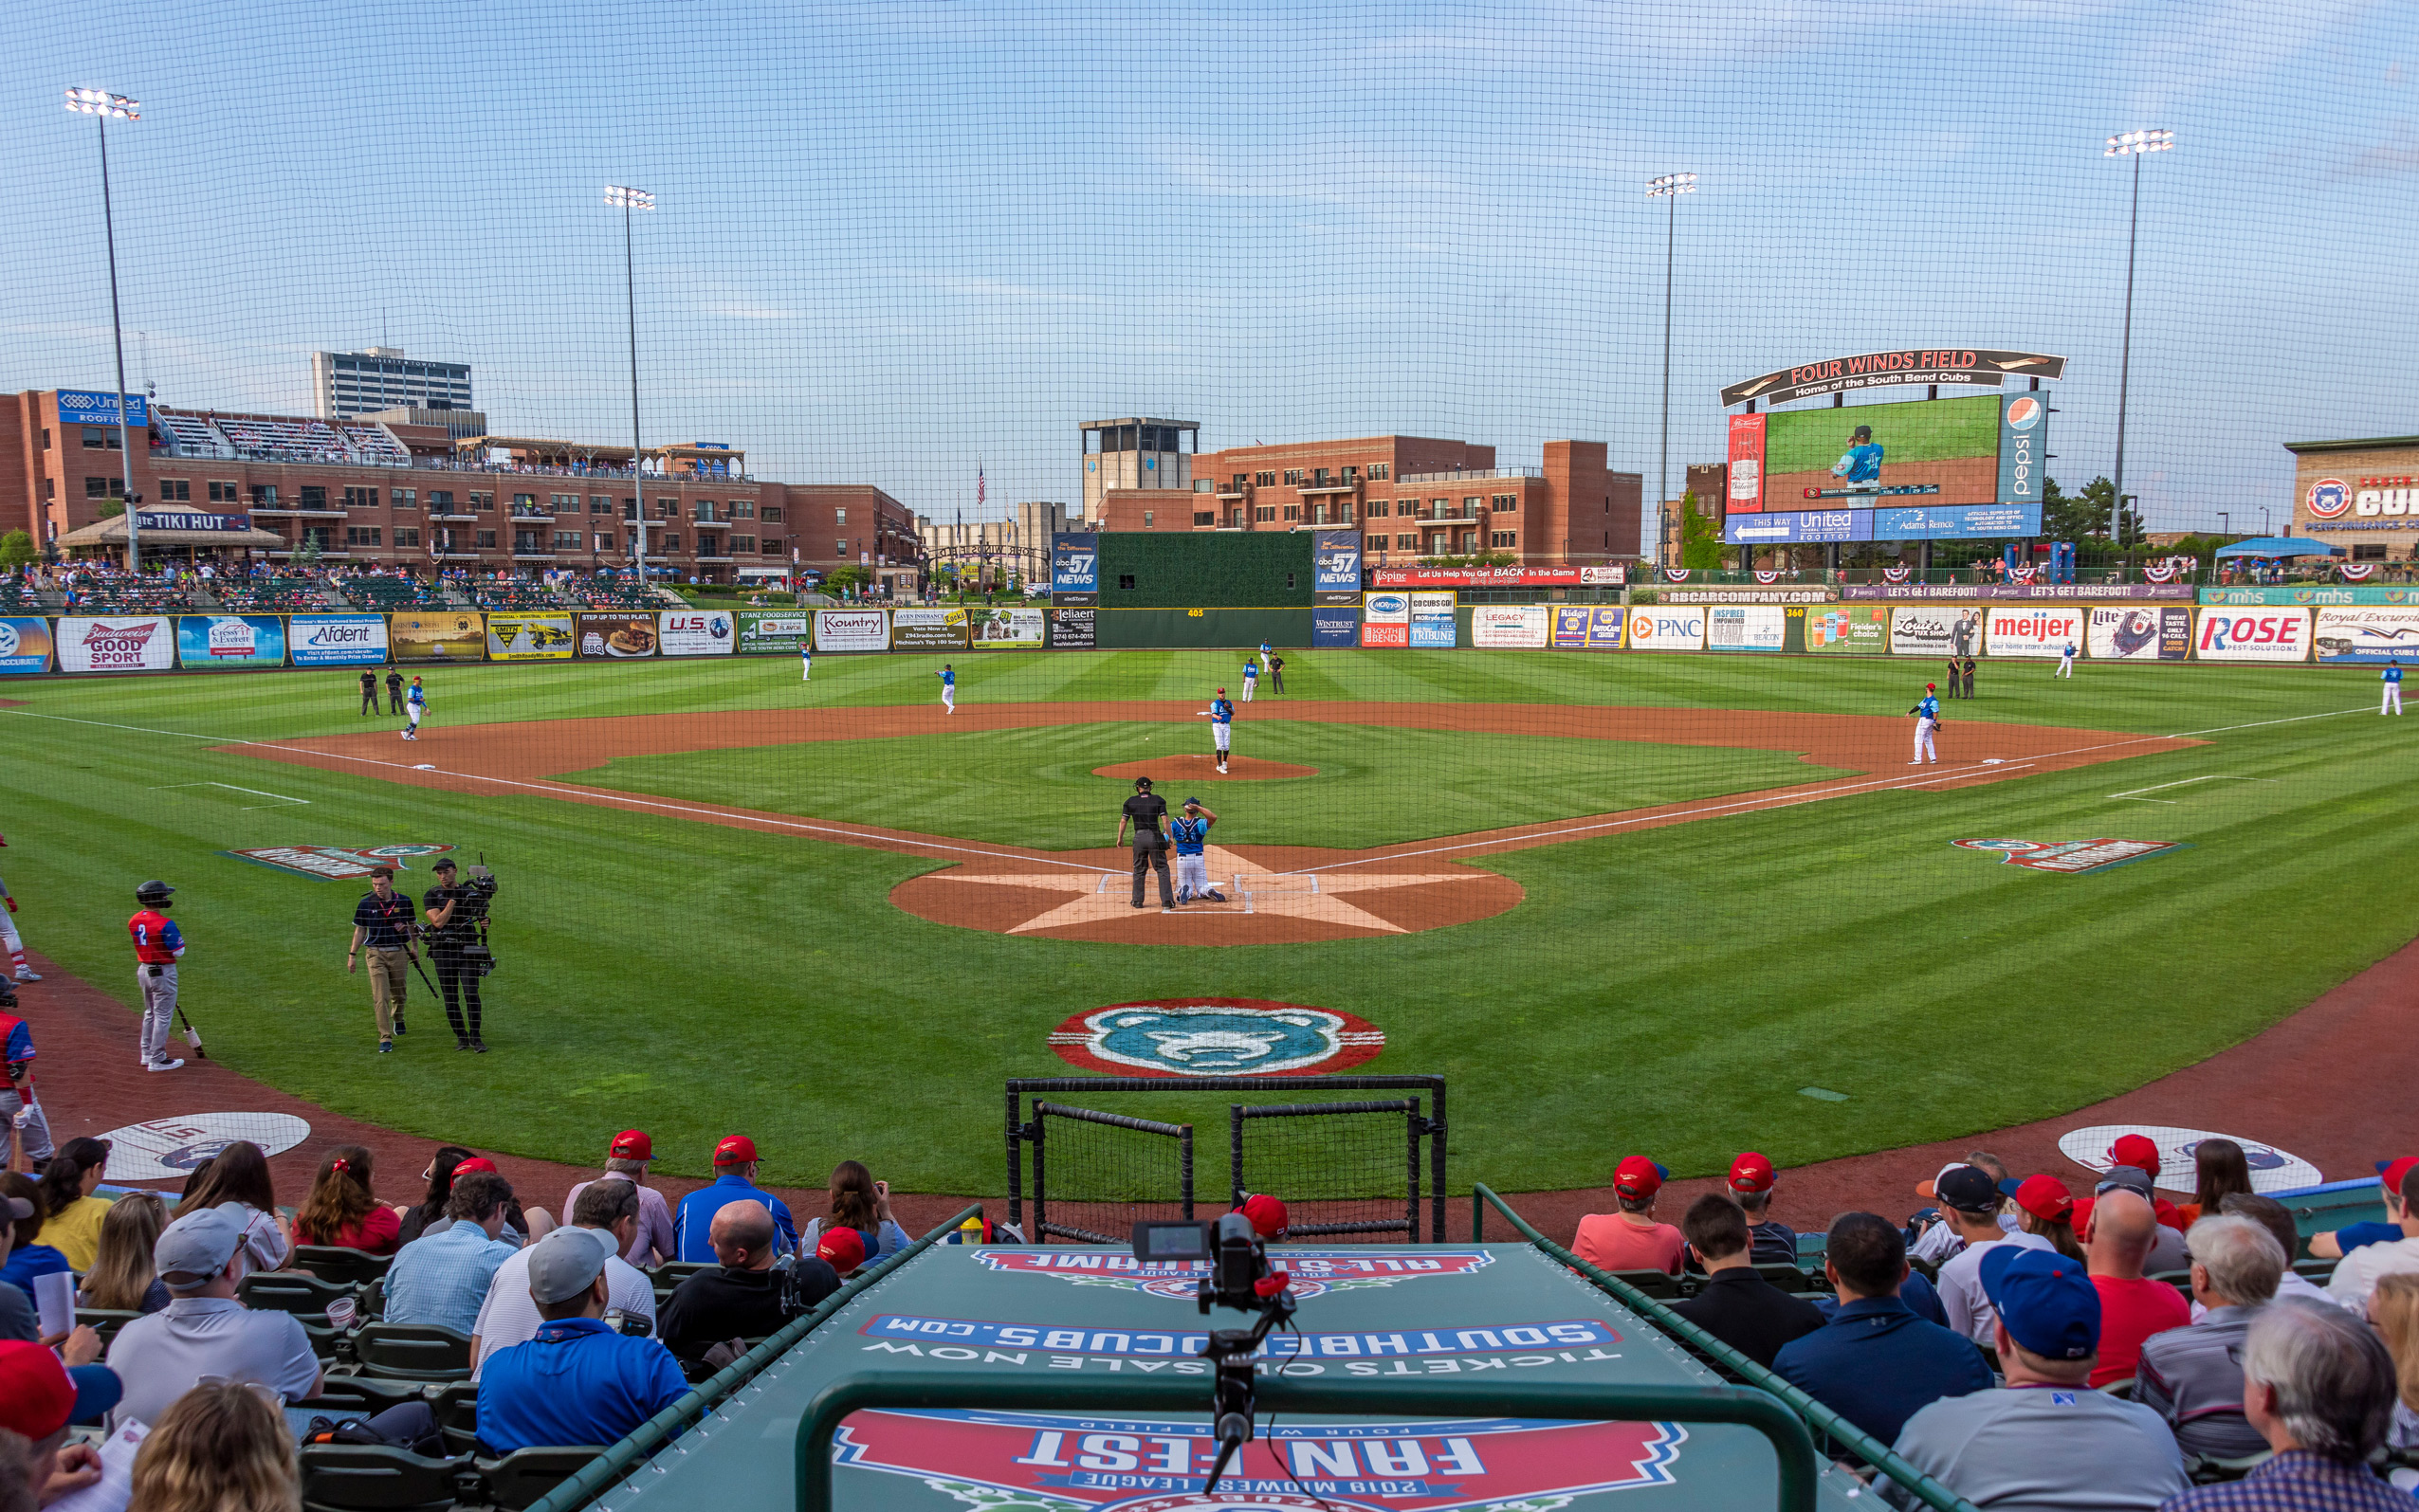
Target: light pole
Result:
[[629, 200], [100, 106], [2134, 144], [1669, 189]]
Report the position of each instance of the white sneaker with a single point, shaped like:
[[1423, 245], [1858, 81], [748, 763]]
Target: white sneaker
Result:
[[27, 974], [164, 1066]]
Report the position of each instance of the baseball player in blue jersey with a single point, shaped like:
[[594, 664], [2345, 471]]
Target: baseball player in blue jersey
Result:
[[17, 1102], [949, 676], [2391, 703], [1222, 718], [806, 657], [2065, 661], [1927, 714], [1251, 678], [1860, 466], [1189, 833], [415, 704]]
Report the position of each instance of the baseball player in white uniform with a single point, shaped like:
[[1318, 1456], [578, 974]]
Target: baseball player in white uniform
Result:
[[2389, 704], [415, 704], [1926, 713], [1250, 680], [1222, 718], [2065, 661], [806, 659], [17, 946]]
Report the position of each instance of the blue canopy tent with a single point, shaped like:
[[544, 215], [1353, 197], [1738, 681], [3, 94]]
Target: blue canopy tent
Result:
[[2268, 546]]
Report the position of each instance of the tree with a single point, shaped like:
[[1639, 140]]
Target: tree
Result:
[[851, 576], [16, 550], [2084, 517], [1700, 536]]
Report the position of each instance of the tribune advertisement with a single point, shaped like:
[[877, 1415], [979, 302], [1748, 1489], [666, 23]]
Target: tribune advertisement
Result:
[[438, 635], [851, 630], [696, 632], [1432, 625], [1746, 628], [928, 629], [529, 637], [335, 640], [1509, 626], [229, 642], [2031, 629], [2123, 633], [117, 643]]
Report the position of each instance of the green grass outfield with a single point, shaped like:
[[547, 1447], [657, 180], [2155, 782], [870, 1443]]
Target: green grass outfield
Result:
[[1914, 430], [1668, 991]]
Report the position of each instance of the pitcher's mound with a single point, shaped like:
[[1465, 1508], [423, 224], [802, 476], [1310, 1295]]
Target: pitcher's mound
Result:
[[1203, 767]]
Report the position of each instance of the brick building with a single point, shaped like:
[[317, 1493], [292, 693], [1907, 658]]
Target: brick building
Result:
[[2363, 495], [1410, 497], [363, 490]]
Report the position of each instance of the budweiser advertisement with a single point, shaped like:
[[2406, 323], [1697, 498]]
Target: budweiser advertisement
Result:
[[117, 643]]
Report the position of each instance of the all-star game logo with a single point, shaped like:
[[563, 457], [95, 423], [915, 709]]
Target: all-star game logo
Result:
[[2073, 857], [1315, 1272], [334, 863], [1215, 1036]]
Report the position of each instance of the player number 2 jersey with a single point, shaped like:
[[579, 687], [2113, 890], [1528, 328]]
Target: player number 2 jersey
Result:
[[156, 939]]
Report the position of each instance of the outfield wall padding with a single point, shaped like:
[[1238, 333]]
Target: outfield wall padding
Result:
[[1207, 569], [1128, 630]]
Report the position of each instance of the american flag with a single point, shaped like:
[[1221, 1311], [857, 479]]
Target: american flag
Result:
[[980, 488]]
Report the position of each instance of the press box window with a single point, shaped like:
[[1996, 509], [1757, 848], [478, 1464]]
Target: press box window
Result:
[[179, 490], [104, 488], [102, 438], [361, 535]]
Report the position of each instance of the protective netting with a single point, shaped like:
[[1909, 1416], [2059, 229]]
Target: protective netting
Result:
[[1346, 1170], [1096, 1175]]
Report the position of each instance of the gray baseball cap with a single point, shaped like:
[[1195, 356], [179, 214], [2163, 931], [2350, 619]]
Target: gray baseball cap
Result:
[[2125, 1179], [17, 1209], [567, 1262], [198, 1245]]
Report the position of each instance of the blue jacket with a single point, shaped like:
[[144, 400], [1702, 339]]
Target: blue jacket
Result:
[[576, 1382], [1878, 1364], [694, 1219]]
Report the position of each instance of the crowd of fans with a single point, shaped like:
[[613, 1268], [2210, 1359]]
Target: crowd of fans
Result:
[[2015, 1341], [2019, 1343]]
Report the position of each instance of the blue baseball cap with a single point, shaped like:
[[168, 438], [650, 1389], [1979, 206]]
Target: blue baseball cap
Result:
[[2048, 1303]]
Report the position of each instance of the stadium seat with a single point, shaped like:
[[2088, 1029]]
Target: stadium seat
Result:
[[375, 1478], [2208, 1470], [523, 1476], [291, 1291], [413, 1351], [2122, 1389], [105, 1320], [2317, 1272], [373, 1303], [456, 1407], [1786, 1277], [331, 1263], [358, 1396], [1653, 1283]]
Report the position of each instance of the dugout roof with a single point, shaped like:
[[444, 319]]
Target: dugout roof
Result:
[[1457, 1315]]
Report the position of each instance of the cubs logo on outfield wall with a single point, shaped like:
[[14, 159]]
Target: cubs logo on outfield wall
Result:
[[1215, 1036]]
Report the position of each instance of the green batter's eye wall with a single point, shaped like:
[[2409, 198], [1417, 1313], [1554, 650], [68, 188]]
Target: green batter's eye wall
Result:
[[1206, 570]]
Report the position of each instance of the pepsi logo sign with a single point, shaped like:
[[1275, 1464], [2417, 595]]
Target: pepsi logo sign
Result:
[[2329, 497], [2024, 412]]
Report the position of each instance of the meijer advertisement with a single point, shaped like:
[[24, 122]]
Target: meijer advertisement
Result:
[[117, 643], [2252, 635], [2031, 629], [851, 630], [335, 640]]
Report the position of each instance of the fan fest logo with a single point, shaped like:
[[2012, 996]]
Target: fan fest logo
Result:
[[2073, 857], [1314, 1273], [1215, 1036], [334, 863]]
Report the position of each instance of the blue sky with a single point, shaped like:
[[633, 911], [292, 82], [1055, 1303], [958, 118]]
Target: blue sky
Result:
[[895, 240]]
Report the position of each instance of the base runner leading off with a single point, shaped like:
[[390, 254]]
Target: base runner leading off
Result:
[[1222, 718], [1927, 714]]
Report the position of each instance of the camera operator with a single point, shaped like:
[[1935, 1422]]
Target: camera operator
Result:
[[382, 924], [746, 1297], [457, 919]]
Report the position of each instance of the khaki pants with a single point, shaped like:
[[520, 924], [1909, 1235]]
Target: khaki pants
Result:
[[388, 987]]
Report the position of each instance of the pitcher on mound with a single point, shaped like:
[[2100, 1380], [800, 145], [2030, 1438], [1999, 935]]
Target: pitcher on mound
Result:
[[1222, 718]]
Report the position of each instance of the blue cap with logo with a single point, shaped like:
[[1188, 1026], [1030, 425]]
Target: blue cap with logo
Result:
[[2048, 1303]]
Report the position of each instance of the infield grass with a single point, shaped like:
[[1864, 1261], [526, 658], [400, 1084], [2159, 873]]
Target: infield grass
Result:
[[1669, 991]]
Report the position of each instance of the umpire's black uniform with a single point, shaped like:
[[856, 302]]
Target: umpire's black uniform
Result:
[[1149, 811], [393, 691], [369, 693]]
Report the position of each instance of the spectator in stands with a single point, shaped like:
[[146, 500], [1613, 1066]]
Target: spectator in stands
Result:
[[204, 1330], [340, 1210], [121, 1277], [2140, 1153], [734, 1181], [843, 1249], [2320, 1389], [2041, 1440], [2338, 1243], [1876, 1362], [2220, 1170], [1266, 1213], [220, 1447], [2132, 1307], [2047, 1209], [26, 1257], [2167, 1251], [1930, 1238], [625, 1162], [1630, 1239], [861, 1203], [576, 1381], [239, 1174], [741, 1298], [430, 1217], [18, 1320], [1737, 1304], [443, 1278], [2193, 1376], [2356, 1274], [1969, 1203], [2394, 1308], [39, 1398], [1751, 1184], [2278, 1220], [71, 1214], [508, 1317]]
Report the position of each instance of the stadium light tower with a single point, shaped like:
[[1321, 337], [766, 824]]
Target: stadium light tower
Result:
[[632, 199], [1669, 189], [102, 106], [2135, 145]]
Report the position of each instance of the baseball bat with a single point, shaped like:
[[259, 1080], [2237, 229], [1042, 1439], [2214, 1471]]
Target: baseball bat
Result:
[[193, 1035]]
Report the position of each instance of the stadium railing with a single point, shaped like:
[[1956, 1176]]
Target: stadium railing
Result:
[[710, 1393], [1575, 1400], [1813, 1413]]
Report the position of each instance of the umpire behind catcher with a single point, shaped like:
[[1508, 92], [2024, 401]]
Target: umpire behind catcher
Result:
[[1148, 811], [457, 932]]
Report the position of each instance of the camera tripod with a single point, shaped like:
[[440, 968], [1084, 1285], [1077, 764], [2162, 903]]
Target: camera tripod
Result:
[[1234, 1396]]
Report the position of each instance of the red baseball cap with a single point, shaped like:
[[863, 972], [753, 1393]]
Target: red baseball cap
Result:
[[39, 1396], [632, 1144], [735, 1150], [477, 1162], [2041, 1196], [1752, 1173], [1267, 1215], [2135, 1150], [843, 1249], [2392, 1172], [1637, 1177]]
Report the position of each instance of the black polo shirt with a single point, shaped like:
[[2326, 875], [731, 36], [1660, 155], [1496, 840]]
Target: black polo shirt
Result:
[[389, 922], [1146, 810], [1749, 1314], [713, 1306]]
